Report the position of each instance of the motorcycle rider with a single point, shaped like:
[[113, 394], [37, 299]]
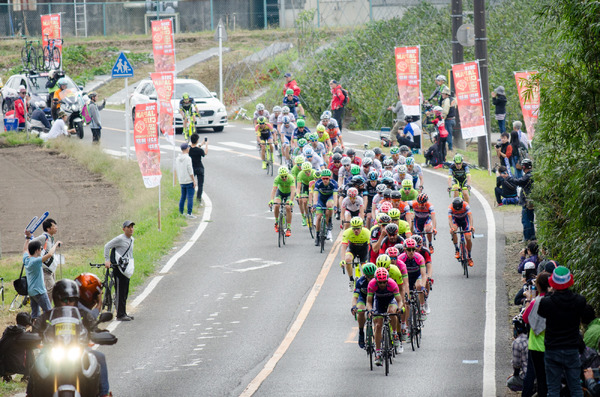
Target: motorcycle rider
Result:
[[62, 86]]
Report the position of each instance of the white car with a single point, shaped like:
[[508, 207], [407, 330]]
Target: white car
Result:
[[212, 111]]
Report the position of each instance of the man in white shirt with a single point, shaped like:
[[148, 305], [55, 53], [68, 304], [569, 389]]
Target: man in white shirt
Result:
[[59, 127]]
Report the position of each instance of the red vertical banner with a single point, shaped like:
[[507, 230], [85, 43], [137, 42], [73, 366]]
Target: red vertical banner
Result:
[[530, 103], [163, 45], [468, 96], [147, 151], [164, 84], [51, 29], [408, 75]]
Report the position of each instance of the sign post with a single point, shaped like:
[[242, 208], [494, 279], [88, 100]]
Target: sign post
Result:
[[123, 69], [221, 36]]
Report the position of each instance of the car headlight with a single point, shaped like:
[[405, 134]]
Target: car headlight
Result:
[[220, 110]]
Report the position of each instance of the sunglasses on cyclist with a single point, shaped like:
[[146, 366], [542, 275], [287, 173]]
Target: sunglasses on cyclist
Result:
[[357, 228], [409, 249], [407, 188], [382, 283], [336, 162], [325, 178]]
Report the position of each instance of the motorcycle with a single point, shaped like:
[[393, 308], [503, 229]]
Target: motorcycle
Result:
[[72, 104], [64, 366]]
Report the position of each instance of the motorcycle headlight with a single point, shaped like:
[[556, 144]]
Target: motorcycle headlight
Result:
[[74, 353], [58, 353], [220, 110]]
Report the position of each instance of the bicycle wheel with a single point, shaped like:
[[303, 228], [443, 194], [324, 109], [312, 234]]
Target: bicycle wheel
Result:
[[281, 233], [385, 351], [369, 343], [310, 222], [110, 296], [55, 59], [412, 325], [46, 57], [17, 303], [323, 235], [464, 258], [25, 57]]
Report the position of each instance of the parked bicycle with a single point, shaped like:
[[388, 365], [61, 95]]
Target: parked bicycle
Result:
[[18, 302], [30, 54], [51, 54], [109, 295]]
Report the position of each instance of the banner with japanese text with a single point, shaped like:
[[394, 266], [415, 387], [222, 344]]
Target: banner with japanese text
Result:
[[163, 45], [145, 136], [530, 100], [164, 85], [469, 99], [408, 75], [51, 29]]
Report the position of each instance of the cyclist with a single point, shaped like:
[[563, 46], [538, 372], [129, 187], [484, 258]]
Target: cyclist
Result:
[[188, 111], [459, 177], [426, 254], [414, 170], [425, 221], [286, 131], [293, 102], [313, 158], [383, 220], [370, 154], [334, 134], [352, 206], [459, 215], [353, 157], [335, 164], [264, 135], [298, 161], [285, 111], [395, 155], [359, 300], [344, 174], [355, 243], [417, 272], [367, 166], [299, 149], [260, 112], [323, 137], [283, 192], [383, 296], [403, 226], [273, 119], [400, 276], [326, 119], [379, 154], [369, 194], [317, 146], [408, 193], [324, 197], [301, 130], [303, 180], [391, 237]]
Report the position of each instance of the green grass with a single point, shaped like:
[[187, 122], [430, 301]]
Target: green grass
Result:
[[12, 138]]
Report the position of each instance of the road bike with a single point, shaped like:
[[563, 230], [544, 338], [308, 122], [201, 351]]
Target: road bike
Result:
[[109, 294], [388, 350], [463, 257], [51, 54], [241, 113], [280, 150], [369, 340], [324, 227], [190, 128], [268, 156], [18, 302], [415, 321], [310, 221], [30, 54], [282, 224], [458, 187]]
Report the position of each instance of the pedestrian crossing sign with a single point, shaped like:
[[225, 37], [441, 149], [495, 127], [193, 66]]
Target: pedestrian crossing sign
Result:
[[122, 67]]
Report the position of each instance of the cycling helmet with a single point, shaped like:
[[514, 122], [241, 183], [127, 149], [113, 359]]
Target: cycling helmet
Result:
[[276, 109], [346, 161], [383, 261], [320, 128], [401, 160], [302, 142], [458, 158], [392, 252], [352, 192], [369, 154], [350, 152], [387, 181], [396, 195], [410, 161], [373, 176], [385, 207], [299, 159], [327, 114], [185, 96], [380, 188], [331, 125], [62, 81], [400, 246], [377, 151], [403, 170], [318, 173], [260, 107], [262, 120], [367, 162], [418, 239], [301, 123], [422, 198], [313, 137], [441, 77], [457, 203], [355, 169], [527, 163], [394, 150], [387, 193], [89, 288], [407, 183], [289, 91], [388, 163], [286, 119], [336, 157], [369, 269], [381, 274], [283, 170], [391, 229], [64, 290], [285, 110], [410, 243], [387, 175], [325, 172], [357, 180], [306, 166], [404, 148], [383, 219], [356, 221], [394, 213], [308, 152], [338, 149], [437, 109]]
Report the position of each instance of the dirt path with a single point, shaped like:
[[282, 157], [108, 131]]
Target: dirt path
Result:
[[35, 180]]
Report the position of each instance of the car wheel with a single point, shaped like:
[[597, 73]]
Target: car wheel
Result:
[[4, 107], [218, 129]]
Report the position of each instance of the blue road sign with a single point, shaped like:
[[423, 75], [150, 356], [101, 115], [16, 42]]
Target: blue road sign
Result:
[[122, 67]]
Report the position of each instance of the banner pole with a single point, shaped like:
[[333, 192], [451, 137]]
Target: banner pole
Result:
[[159, 189], [174, 96], [485, 121], [420, 103], [127, 115]]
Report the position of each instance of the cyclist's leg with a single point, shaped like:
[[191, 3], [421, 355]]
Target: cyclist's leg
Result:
[[277, 206], [347, 217], [330, 205], [429, 230], [466, 196], [469, 243], [377, 325], [392, 309], [272, 147], [455, 190], [349, 258], [262, 149], [288, 217], [419, 284], [360, 316]]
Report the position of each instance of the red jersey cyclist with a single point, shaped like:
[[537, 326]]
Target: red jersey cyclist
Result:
[[264, 135], [425, 221], [459, 215]]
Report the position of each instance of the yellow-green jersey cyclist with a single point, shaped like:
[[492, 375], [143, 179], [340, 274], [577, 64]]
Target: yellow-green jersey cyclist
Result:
[[283, 192]]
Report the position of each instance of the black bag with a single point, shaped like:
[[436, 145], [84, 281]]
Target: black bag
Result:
[[122, 262], [346, 96], [20, 284]]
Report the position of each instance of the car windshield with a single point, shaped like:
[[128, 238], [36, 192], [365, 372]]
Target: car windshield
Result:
[[38, 84], [195, 90]]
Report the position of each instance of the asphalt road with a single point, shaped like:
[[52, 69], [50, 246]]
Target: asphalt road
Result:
[[216, 318]]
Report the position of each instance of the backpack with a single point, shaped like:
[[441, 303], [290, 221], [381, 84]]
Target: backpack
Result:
[[12, 356], [523, 154], [346, 96]]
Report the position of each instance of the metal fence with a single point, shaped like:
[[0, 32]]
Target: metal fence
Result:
[[84, 18]]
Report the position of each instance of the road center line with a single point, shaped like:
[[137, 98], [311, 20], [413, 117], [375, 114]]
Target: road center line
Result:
[[296, 325]]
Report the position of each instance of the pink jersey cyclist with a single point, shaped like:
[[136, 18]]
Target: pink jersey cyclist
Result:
[[383, 297], [415, 266]]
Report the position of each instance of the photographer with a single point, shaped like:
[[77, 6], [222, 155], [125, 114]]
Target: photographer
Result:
[[529, 274], [529, 254], [119, 252], [506, 193], [527, 214], [504, 151]]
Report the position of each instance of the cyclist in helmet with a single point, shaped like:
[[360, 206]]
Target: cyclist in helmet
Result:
[[324, 199], [415, 265], [264, 136], [317, 146], [369, 194], [285, 111], [298, 160], [425, 221], [383, 296], [323, 138], [283, 191], [355, 244], [400, 276], [359, 300], [261, 111], [415, 172], [459, 215], [345, 174], [301, 130], [335, 134], [353, 157], [459, 177], [313, 158], [293, 103], [189, 113], [299, 149], [407, 192], [273, 119], [403, 226], [352, 206], [303, 181], [335, 164], [286, 133]]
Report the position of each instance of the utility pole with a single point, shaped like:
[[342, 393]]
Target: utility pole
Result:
[[457, 57], [481, 54]]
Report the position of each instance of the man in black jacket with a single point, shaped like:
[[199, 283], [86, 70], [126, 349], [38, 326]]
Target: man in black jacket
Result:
[[562, 310], [526, 184], [506, 193]]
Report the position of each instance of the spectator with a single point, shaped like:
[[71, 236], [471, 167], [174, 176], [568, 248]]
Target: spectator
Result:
[[506, 193], [519, 354], [529, 273], [39, 119], [517, 125], [591, 325], [119, 251], [94, 110], [515, 143], [399, 121], [411, 135], [46, 239], [337, 102], [59, 128], [562, 310], [433, 155], [290, 83], [20, 107], [527, 213], [13, 358], [440, 82], [590, 382], [499, 100], [504, 151], [196, 154], [529, 254], [448, 113], [33, 262], [537, 334], [185, 174]]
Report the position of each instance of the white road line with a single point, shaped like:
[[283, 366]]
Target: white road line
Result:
[[489, 344], [115, 153], [248, 129], [239, 145], [218, 148]]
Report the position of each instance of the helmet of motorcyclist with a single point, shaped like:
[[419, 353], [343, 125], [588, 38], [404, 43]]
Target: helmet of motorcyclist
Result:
[[62, 81], [65, 291], [90, 287]]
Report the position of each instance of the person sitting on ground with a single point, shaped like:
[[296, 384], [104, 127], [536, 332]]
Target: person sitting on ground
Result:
[[433, 155], [529, 254], [39, 119], [519, 354], [13, 358], [506, 192], [59, 128]]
